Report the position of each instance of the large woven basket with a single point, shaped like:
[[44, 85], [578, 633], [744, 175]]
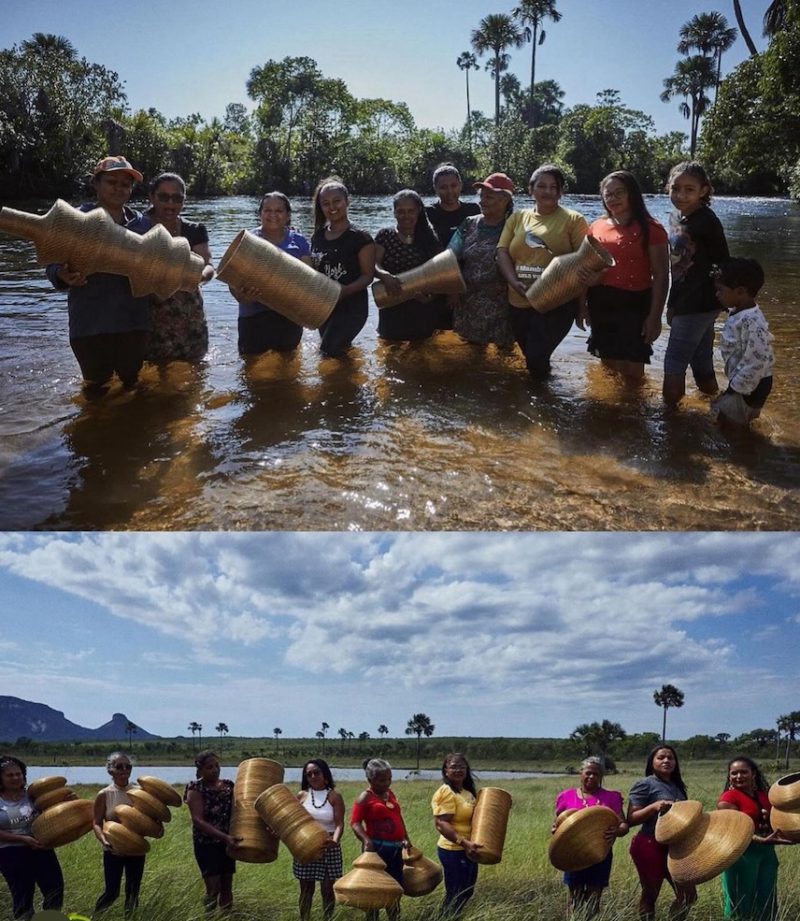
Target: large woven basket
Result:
[[45, 785], [138, 821], [785, 792], [124, 841], [52, 798], [489, 823], [155, 262], [787, 822], [367, 886], [560, 281], [291, 822], [150, 805], [421, 875], [579, 840], [253, 777], [439, 275], [288, 285], [168, 795], [677, 820], [63, 823], [715, 841]]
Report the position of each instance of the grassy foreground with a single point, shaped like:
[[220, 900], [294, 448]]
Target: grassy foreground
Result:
[[523, 886]]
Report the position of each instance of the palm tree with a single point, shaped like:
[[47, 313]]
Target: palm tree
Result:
[[711, 35], [342, 735], [495, 33], [776, 18], [420, 724], [737, 9], [383, 730], [222, 729], [277, 731], [321, 735], [130, 728], [363, 736], [669, 695], [722, 737], [531, 14], [467, 61], [47, 43], [790, 724], [692, 77], [597, 737], [194, 728]]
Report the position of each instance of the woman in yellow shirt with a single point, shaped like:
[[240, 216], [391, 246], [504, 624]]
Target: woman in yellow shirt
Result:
[[453, 804]]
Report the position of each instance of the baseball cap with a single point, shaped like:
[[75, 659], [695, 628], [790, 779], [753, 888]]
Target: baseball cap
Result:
[[117, 165], [497, 182]]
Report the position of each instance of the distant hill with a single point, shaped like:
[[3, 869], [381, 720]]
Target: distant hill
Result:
[[25, 718]]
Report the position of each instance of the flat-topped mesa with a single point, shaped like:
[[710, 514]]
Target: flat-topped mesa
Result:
[[91, 241]]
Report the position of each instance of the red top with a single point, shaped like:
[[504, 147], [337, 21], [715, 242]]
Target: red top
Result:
[[747, 804], [632, 271], [382, 820]]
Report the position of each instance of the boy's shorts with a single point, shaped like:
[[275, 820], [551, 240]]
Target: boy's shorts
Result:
[[740, 409]]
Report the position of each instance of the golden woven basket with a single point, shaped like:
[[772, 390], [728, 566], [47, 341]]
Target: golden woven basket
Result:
[[787, 821], [138, 821], [63, 823], [45, 785], [677, 820], [368, 885], [560, 281], [46, 800], [785, 792], [288, 285], [253, 777], [579, 840], [421, 875], [715, 841], [168, 795], [489, 823], [150, 805], [439, 275], [124, 841], [291, 822]]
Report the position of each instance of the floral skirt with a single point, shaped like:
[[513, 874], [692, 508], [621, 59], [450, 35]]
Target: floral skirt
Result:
[[179, 329]]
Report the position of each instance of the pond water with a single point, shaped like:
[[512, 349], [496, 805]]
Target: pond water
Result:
[[425, 437]]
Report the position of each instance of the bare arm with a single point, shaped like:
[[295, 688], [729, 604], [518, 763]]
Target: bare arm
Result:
[[505, 265], [194, 800], [392, 282], [338, 815], [444, 825], [99, 818], [659, 270]]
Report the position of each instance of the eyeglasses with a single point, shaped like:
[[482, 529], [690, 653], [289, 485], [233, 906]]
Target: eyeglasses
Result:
[[122, 767], [615, 193], [177, 198], [313, 773]]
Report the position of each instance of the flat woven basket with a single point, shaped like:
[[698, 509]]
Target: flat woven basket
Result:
[[138, 821], [63, 823], [45, 785], [489, 823], [124, 841], [47, 800], [579, 841], [168, 795], [150, 805], [715, 842]]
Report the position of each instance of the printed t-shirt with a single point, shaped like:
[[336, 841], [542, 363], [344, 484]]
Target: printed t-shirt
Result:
[[697, 243], [650, 790], [217, 807], [16, 817], [338, 259], [382, 820], [746, 348], [632, 270], [460, 805], [532, 239], [445, 223]]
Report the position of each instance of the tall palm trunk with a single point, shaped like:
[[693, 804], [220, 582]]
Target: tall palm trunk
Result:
[[533, 72], [469, 116], [737, 9]]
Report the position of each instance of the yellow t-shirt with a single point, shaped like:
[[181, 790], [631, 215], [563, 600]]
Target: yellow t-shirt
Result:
[[532, 239], [461, 806]]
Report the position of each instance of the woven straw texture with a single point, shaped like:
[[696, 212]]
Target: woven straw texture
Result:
[[138, 821], [787, 821], [46, 800], [563, 816], [367, 885], [155, 263], [559, 282], [579, 841], [440, 275], [45, 785], [168, 795], [677, 820], [785, 792], [279, 808], [124, 841], [287, 285], [421, 875], [254, 776], [149, 805], [489, 823], [715, 841], [63, 823]]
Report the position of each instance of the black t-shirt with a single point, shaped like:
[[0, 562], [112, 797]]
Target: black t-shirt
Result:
[[445, 223], [697, 244]]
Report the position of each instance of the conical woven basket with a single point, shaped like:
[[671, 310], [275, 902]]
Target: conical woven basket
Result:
[[168, 795], [421, 875], [489, 823], [279, 808], [46, 800], [289, 286], [124, 841], [253, 777], [786, 821], [150, 805], [45, 785], [715, 842], [579, 841], [138, 821], [91, 241], [439, 275], [63, 823], [559, 282], [785, 792], [367, 885], [677, 820]]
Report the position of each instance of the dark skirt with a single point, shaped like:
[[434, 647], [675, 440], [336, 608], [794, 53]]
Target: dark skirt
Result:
[[594, 877], [408, 321], [212, 858], [617, 317], [268, 330]]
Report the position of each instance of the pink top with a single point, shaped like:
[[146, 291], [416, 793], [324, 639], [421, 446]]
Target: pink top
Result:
[[632, 271], [573, 799]]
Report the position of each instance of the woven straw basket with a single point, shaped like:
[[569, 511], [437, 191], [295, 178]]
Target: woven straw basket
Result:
[[168, 795], [715, 841], [421, 875], [288, 285], [677, 821], [150, 805], [63, 823], [579, 841], [559, 282], [279, 808], [367, 885], [785, 792], [46, 800], [440, 275], [124, 841], [138, 821], [787, 821], [45, 785], [489, 823], [258, 845], [155, 262]]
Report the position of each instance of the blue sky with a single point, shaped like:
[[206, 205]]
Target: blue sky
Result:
[[489, 634], [189, 55]]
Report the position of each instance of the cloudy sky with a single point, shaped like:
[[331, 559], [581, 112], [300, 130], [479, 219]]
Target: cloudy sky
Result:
[[524, 635]]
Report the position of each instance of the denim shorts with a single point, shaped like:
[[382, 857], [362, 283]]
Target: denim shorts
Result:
[[691, 343]]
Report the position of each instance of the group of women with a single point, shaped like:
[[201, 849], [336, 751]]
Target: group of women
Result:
[[749, 886], [502, 253]]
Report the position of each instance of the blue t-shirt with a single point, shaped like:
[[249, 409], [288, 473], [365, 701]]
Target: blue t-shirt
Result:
[[649, 790], [293, 243]]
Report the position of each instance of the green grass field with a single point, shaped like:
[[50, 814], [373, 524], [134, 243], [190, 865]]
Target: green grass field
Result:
[[523, 886]]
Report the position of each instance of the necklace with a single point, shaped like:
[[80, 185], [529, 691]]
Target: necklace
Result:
[[313, 803], [582, 797]]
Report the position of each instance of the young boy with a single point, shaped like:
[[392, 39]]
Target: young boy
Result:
[[745, 343]]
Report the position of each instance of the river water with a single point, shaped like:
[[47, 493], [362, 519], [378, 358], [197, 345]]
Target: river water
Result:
[[425, 437]]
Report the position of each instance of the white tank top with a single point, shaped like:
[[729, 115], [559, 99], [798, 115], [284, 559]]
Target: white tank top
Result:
[[322, 811], [117, 796]]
